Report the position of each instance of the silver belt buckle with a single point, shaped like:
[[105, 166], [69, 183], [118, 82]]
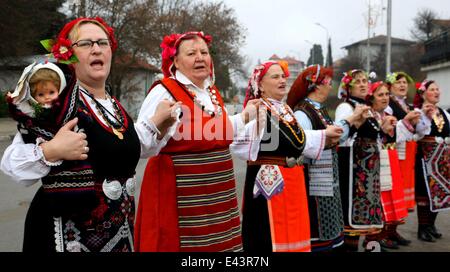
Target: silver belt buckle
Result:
[[300, 160], [291, 162]]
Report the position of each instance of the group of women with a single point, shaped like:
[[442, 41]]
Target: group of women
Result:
[[312, 184]]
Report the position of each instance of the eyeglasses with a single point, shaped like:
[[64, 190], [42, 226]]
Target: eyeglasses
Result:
[[86, 44]]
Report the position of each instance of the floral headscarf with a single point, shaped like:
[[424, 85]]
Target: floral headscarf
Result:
[[394, 77], [421, 87], [170, 46], [260, 70], [61, 48], [348, 81], [373, 88], [306, 82]]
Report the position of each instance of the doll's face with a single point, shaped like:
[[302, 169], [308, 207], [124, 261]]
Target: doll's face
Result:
[[45, 93]]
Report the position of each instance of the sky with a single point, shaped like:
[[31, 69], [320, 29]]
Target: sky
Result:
[[287, 27]]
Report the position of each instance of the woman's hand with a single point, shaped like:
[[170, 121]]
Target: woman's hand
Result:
[[429, 110], [251, 110], [413, 117], [166, 115], [333, 134], [66, 145], [359, 116], [388, 125]]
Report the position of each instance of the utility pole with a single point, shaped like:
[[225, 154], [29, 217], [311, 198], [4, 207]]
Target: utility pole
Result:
[[389, 38], [369, 22]]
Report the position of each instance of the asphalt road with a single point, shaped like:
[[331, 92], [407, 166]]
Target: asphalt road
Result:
[[15, 199]]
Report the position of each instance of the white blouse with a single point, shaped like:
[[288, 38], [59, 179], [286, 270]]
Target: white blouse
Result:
[[23, 163], [314, 142]]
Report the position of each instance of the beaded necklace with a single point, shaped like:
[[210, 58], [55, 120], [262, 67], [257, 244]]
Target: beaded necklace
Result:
[[286, 115], [213, 95], [117, 125], [322, 115]]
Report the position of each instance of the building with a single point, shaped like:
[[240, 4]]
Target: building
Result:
[[439, 26], [140, 77], [295, 68], [377, 45], [436, 64]]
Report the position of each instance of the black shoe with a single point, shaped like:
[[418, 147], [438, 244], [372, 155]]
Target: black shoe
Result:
[[399, 239], [434, 232], [424, 235], [388, 244]]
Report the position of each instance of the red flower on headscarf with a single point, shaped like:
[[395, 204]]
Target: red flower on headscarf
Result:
[[62, 50], [169, 47]]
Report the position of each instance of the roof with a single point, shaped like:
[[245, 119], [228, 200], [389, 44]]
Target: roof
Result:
[[288, 59], [381, 40], [442, 23]]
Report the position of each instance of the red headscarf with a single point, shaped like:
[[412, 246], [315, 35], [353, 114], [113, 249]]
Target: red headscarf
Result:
[[306, 82], [373, 88], [170, 46], [257, 75], [62, 48]]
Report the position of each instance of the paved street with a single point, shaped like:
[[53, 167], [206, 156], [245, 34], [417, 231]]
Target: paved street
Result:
[[15, 199]]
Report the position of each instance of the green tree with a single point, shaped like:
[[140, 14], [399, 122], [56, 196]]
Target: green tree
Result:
[[329, 62], [315, 55]]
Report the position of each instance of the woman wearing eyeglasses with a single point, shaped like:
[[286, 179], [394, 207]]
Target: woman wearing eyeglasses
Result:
[[88, 203]]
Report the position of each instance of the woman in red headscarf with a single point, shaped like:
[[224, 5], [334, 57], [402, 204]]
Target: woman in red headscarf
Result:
[[188, 198], [307, 97], [275, 208], [391, 180], [432, 161], [89, 206], [359, 164]]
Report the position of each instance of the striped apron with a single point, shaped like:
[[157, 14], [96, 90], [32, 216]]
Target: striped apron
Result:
[[188, 197]]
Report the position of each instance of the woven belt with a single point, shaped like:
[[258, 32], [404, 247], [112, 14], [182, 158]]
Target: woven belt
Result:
[[288, 162], [390, 146], [428, 139]]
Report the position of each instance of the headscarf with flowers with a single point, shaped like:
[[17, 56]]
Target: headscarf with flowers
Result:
[[61, 48], [306, 82], [348, 80], [394, 77], [170, 46], [421, 87], [260, 70]]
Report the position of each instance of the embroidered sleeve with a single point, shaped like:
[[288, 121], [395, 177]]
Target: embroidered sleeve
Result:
[[23, 162], [238, 125], [146, 130], [403, 133], [246, 144], [423, 128], [343, 111]]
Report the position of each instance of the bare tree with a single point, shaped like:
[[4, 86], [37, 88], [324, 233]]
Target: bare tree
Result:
[[423, 25], [141, 25]]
